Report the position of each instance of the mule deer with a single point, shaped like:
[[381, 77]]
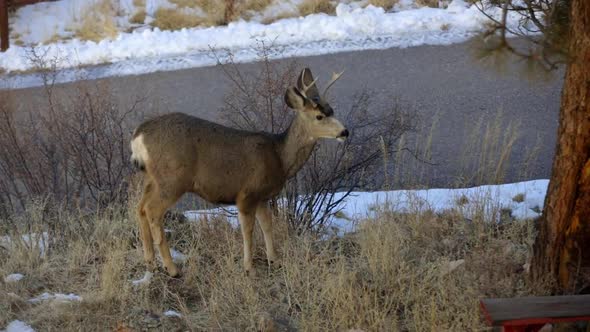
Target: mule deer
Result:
[[181, 153]]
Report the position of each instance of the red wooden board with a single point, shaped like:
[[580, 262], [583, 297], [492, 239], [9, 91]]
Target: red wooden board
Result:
[[536, 310]]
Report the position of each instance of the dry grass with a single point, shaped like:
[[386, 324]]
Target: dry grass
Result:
[[187, 3], [488, 149], [173, 19], [138, 17], [214, 10], [385, 4], [308, 7], [393, 274], [519, 198], [280, 16], [428, 3], [254, 5], [97, 22]]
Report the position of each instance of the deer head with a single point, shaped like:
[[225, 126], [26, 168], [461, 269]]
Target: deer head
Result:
[[313, 108]]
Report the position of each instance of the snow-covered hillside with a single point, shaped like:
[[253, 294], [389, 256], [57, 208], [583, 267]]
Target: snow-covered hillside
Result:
[[51, 29]]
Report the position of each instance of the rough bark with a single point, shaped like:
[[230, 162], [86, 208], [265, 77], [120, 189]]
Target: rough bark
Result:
[[562, 249]]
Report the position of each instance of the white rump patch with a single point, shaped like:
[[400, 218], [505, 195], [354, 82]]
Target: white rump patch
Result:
[[138, 150]]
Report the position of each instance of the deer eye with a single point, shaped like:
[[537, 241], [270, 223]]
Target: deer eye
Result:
[[320, 117], [316, 99]]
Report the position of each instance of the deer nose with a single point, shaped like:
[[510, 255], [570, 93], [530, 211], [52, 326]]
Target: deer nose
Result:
[[344, 133]]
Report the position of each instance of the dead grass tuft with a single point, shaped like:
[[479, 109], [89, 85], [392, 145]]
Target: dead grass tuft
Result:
[[138, 17], [173, 19], [519, 198], [280, 16], [187, 3], [97, 23], [428, 3], [215, 10], [385, 4], [308, 7], [254, 5]]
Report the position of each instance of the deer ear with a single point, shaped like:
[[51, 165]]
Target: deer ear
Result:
[[305, 79], [294, 99]]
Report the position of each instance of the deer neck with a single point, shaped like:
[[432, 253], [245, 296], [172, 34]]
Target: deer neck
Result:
[[296, 146]]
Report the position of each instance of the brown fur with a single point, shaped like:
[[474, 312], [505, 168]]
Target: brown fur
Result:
[[181, 153]]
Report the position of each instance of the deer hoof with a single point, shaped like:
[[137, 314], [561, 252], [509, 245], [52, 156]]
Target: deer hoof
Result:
[[173, 271]]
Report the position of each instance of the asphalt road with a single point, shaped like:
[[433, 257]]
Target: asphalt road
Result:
[[441, 84]]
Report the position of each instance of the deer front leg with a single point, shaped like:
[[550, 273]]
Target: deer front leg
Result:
[[247, 220], [264, 216]]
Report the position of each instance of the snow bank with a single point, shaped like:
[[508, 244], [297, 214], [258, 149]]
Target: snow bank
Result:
[[352, 28]]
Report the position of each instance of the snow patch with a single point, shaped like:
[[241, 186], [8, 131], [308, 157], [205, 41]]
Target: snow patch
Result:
[[491, 200], [18, 326], [177, 256], [147, 277], [15, 277], [58, 297], [172, 313], [33, 241]]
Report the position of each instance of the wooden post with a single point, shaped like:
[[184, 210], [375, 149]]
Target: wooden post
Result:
[[4, 33]]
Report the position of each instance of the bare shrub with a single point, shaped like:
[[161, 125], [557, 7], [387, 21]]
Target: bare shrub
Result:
[[72, 149], [333, 171]]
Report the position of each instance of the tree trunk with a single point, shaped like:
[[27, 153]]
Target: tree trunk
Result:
[[562, 248]]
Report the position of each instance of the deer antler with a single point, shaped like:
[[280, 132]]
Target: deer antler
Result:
[[335, 78]]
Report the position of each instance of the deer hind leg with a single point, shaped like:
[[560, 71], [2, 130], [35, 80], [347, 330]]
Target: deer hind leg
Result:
[[155, 209], [144, 228], [264, 216], [247, 221]]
